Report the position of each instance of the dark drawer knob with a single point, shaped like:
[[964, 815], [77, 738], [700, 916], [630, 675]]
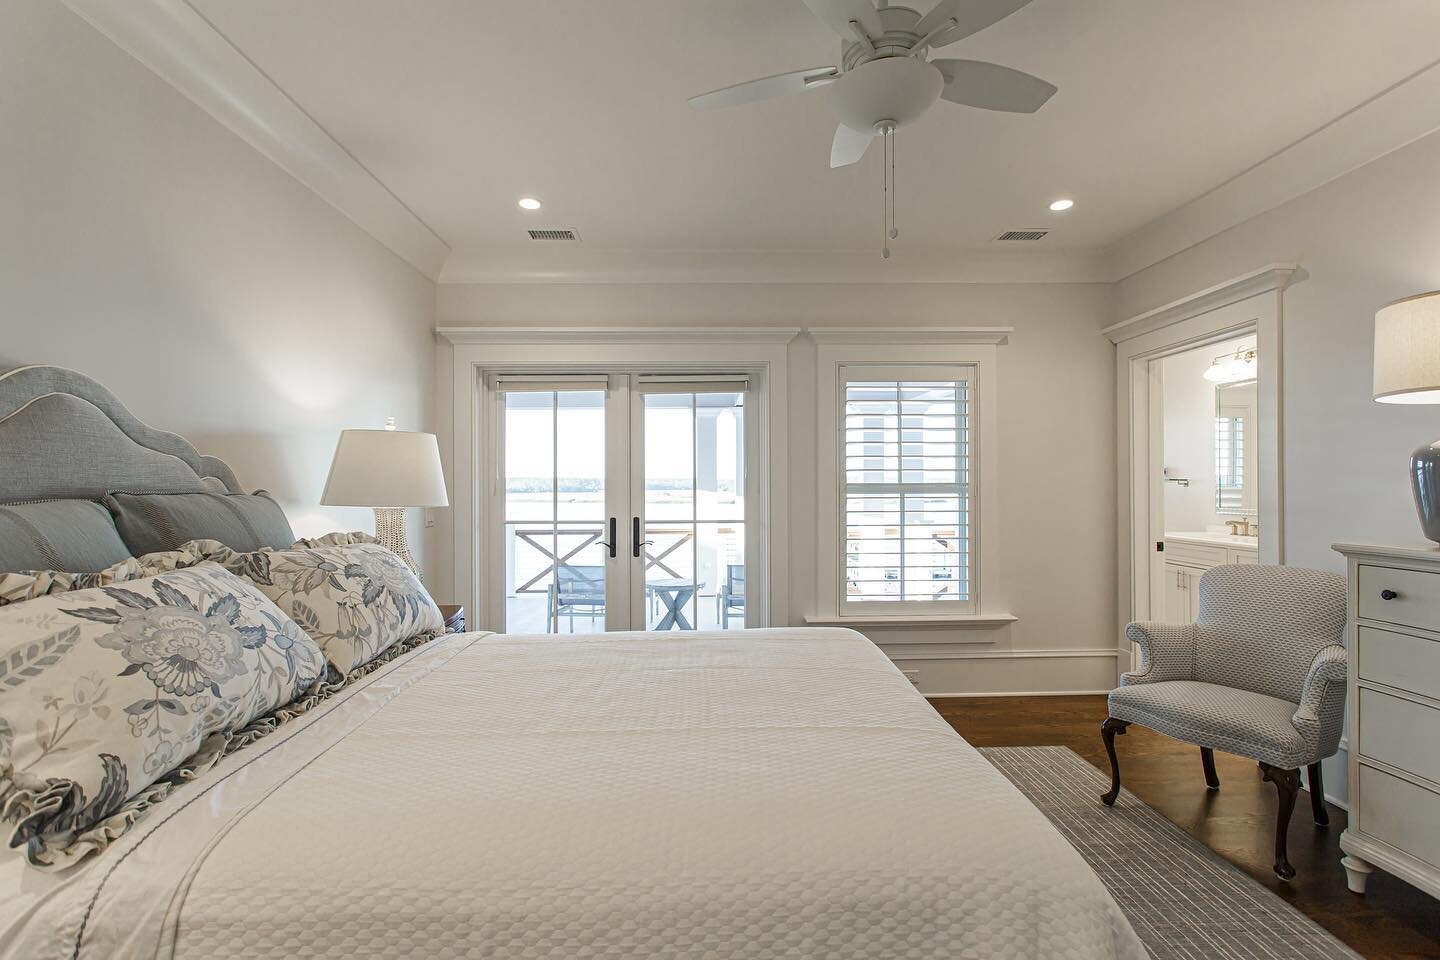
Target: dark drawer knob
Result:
[[1388, 594]]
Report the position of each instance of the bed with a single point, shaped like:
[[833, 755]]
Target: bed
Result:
[[762, 793]]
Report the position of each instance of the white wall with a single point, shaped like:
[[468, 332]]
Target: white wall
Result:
[[1056, 449], [145, 245], [1364, 239]]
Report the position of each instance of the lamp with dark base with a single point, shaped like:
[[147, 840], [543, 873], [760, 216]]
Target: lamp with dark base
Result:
[[1407, 371], [388, 470]]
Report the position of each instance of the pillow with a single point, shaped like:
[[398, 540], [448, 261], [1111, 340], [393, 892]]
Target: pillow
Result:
[[105, 690], [355, 599], [153, 522], [73, 535], [29, 584]]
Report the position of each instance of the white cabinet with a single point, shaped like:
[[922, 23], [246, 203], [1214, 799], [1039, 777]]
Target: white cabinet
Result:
[[1394, 707], [1181, 593]]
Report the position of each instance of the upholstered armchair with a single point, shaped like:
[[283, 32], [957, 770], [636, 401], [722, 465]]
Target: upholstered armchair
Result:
[[1261, 674]]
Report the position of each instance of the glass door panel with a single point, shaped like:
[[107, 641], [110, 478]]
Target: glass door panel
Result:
[[555, 516], [693, 493]]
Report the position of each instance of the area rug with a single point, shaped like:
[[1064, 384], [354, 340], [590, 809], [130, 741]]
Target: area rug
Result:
[[1183, 899]]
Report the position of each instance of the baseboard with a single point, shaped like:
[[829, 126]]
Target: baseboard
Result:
[[967, 672], [1017, 693]]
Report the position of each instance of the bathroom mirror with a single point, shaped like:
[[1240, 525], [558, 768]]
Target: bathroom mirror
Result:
[[1235, 426]]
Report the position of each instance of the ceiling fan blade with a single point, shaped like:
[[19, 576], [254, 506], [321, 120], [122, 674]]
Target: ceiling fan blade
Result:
[[837, 14], [848, 146], [765, 87], [970, 16], [990, 86]]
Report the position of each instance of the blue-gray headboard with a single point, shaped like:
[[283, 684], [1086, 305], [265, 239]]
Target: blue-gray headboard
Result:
[[64, 436]]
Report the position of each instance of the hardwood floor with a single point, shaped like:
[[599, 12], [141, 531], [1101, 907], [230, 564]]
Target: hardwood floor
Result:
[[1393, 920]]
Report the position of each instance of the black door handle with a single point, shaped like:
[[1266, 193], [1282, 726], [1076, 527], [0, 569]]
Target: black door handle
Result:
[[635, 537], [611, 544], [1388, 594]]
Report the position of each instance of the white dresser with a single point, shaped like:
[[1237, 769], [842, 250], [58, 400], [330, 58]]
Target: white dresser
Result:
[[1394, 714]]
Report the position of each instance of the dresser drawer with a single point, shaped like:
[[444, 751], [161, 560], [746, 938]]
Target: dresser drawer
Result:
[[1400, 814], [1416, 600], [1399, 660], [1400, 733]]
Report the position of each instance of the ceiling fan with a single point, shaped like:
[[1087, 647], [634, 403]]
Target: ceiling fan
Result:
[[885, 78]]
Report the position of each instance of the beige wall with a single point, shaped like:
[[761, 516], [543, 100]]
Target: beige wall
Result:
[[1056, 448], [1364, 239], [145, 245]]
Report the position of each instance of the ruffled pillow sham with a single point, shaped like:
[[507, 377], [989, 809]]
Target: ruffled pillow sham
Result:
[[357, 599], [105, 690]]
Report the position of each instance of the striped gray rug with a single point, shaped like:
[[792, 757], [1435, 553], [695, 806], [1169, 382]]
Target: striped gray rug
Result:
[[1183, 899]]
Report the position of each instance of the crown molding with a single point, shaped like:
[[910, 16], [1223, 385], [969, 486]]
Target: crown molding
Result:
[[895, 335], [183, 49], [1276, 276], [550, 262], [1392, 119], [542, 334]]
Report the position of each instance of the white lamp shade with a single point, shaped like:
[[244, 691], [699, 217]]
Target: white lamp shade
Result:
[[385, 468], [1407, 350]]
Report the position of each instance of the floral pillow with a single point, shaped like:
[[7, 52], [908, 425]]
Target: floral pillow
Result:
[[105, 690], [29, 584], [355, 599]]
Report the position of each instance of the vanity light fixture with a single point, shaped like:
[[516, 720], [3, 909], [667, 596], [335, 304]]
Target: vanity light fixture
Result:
[[1232, 367], [529, 203], [1061, 205]]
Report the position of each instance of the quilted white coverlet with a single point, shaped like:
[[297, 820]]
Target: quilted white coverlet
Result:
[[760, 794]]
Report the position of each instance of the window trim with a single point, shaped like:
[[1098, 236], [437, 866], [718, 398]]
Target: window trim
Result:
[[850, 350], [849, 373]]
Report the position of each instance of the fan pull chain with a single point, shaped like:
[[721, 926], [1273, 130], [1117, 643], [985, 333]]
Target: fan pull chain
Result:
[[894, 183], [887, 176], [884, 195]]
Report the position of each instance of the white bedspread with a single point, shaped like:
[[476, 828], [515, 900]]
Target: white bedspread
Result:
[[770, 793]]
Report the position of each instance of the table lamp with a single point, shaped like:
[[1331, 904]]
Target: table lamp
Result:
[[1407, 370], [388, 470]]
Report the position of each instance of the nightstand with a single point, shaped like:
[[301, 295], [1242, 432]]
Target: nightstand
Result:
[[454, 615]]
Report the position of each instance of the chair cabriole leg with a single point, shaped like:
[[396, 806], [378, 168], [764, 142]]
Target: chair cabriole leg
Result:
[[1287, 785], [1317, 795], [1207, 759], [1108, 730]]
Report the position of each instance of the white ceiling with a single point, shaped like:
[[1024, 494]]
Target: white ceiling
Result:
[[459, 107]]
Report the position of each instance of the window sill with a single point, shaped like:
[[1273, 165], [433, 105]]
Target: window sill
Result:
[[914, 620]]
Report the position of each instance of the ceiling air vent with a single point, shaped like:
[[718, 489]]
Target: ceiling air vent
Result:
[[553, 235], [1022, 234]]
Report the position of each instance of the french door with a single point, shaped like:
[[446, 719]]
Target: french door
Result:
[[623, 502]]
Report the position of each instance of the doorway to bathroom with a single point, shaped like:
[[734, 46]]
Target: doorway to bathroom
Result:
[[1209, 458], [1225, 343]]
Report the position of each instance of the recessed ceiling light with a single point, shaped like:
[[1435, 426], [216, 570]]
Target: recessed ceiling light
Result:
[[1062, 204], [529, 203]]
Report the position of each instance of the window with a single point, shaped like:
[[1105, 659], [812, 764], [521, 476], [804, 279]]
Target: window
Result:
[[906, 501], [1229, 464]]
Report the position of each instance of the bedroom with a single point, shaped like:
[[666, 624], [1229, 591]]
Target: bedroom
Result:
[[257, 225]]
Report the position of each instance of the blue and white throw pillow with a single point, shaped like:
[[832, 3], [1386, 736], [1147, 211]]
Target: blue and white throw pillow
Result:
[[103, 691]]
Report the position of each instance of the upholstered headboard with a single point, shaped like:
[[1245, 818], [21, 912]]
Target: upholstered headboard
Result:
[[64, 436]]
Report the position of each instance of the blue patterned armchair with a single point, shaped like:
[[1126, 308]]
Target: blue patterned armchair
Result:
[[1261, 674]]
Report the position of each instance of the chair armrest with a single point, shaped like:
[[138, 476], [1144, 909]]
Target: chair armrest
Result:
[[1167, 652], [1322, 699]]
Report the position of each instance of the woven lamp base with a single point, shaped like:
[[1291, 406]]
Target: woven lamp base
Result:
[[390, 531]]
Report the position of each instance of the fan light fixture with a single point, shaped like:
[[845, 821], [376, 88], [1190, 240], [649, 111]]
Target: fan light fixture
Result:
[[529, 203], [885, 78], [1061, 205], [1232, 367]]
